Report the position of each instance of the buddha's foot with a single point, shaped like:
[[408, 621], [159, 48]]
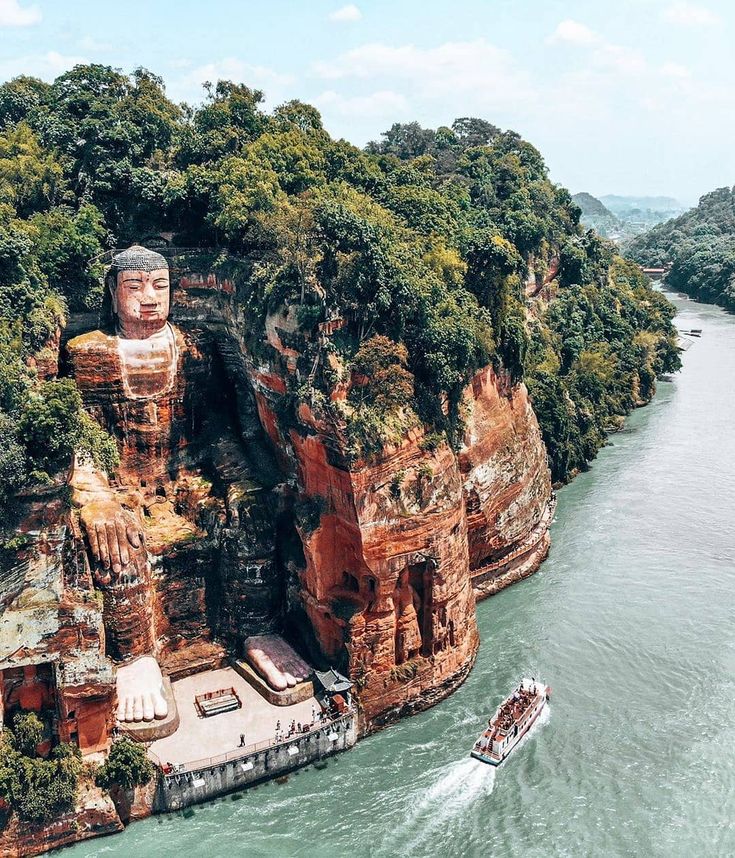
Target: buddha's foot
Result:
[[276, 661], [140, 691]]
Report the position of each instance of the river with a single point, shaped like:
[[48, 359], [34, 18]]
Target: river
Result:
[[631, 620]]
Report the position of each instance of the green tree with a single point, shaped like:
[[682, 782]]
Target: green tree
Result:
[[127, 766], [65, 242], [28, 732], [53, 425], [23, 99], [30, 178], [38, 790], [388, 383]]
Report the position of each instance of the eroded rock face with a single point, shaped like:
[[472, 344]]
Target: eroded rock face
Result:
[[51, 631], [388, 548], [505, 476], [390, 545], [387, 574]]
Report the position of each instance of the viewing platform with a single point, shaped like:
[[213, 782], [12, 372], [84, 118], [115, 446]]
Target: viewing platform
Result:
[[221, 746]]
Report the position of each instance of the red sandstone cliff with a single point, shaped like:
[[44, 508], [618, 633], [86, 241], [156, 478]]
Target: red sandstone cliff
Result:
[[506, 479], [391, 547], [391, 544], [387, 572]]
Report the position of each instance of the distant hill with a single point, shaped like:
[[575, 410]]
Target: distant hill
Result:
[[596, 216], [639, 214], [700, 245], [623, 205], [623, 218]]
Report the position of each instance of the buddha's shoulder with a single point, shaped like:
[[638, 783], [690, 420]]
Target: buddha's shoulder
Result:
[[195, 344], [96, 343], [101, 347]]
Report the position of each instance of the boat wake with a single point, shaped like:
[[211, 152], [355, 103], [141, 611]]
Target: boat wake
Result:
[[432, 808], [460, 785]]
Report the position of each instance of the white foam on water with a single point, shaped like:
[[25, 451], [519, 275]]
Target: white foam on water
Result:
[[541, 721], [458, 786]]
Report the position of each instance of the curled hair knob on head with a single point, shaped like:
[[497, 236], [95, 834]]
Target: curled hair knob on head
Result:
[[137, 258]]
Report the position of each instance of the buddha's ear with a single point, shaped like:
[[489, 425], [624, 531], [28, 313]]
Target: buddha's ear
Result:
[[111, 283]]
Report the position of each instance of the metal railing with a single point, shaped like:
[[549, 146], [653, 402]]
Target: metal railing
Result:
[[248, 750]]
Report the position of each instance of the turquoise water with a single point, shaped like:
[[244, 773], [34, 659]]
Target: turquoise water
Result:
[[631, 620]]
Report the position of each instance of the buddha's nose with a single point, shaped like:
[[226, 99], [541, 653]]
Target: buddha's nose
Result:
[[148, 295]]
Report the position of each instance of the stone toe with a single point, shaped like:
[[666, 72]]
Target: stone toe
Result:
[[148, 712], [160, 707]]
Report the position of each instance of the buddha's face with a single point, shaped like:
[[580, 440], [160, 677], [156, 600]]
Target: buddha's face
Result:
[[140, 301]]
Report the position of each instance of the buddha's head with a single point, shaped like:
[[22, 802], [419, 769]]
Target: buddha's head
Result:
[[138, 282]]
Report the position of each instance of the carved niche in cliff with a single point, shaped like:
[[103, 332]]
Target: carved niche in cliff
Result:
[[181, 539]]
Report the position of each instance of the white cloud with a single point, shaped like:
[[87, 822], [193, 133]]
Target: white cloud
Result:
[[346, 13], [603, 53], [485, 73], [377, 104], [274, 84], [46, 66], [574, 33], [12, 14], [675, 70], [689, 15]]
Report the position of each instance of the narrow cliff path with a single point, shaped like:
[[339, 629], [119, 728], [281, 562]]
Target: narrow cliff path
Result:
[[630, 620]]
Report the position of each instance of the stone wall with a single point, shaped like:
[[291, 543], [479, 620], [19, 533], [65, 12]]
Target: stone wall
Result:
[[223, 775]]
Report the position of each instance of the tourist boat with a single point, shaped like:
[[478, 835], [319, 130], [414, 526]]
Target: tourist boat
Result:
[[511, 721]]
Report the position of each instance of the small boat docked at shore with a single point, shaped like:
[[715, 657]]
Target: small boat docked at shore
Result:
[[511, 721]]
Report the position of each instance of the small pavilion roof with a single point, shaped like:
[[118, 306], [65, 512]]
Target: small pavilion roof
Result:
[[333, 681]]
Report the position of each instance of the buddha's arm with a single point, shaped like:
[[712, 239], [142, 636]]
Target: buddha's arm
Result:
[[114, 532]]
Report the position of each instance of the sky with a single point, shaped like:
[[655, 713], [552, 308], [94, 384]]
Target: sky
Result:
[[627, 97]]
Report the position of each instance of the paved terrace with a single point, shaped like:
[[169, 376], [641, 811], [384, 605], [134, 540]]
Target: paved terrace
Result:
[[199, 738]]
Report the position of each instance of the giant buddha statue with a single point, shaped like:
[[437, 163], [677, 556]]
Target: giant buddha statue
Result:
[[133, 382], [183, 484]]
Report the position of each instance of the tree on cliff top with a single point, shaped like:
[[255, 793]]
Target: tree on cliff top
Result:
[[383, 364], [430, 238]]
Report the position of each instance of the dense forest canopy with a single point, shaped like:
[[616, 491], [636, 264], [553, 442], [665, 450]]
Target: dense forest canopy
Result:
[[426, 243], [700, 247]]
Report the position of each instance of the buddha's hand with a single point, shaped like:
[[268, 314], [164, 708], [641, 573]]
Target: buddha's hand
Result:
[[115, 539]]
